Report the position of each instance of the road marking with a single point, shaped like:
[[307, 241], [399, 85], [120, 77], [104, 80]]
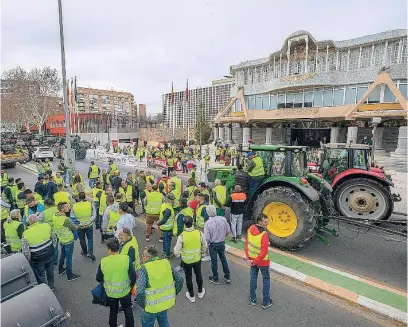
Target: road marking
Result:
[[382, 308]]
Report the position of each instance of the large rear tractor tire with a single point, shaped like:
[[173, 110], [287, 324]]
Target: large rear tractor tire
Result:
[[291, 221], [364, 198]]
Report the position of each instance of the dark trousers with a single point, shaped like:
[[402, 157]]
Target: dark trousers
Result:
[[188, 270], [98, 219], [169, 170], [218, 249], [88, 233], [67, 252], [126, 304], [266, 283], [44, 271], [184, 166]]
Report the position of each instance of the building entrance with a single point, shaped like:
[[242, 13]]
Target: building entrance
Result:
[[310, 137]]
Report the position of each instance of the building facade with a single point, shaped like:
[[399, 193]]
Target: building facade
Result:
[[142, 110], [182, 113], [310, 91], [109, 102]]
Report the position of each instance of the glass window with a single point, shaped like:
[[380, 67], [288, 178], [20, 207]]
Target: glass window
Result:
[[328, 97], [404, 51], [374, 96], [338, 97], [281, 100], [354, 54], [403, 89], [238, 105], [332, 61], [317, 98], [343, 56], [251, 102], [392, 52], [265, 102], [290, 98], [378, 54], [258, 102], [388, 95], [298, 100], [361, 89], [274, 100], [350, 95], [366, 57], [308, 99]]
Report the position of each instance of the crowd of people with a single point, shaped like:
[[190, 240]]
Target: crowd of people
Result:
[[45, 223]]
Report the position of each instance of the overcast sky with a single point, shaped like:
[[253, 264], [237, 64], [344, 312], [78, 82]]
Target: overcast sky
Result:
[[142, 46]]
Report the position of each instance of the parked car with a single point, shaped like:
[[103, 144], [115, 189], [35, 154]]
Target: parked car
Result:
[[20, 142], [42, 152]]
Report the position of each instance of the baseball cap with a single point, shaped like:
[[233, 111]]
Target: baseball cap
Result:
[[250, 153], [171, 196]]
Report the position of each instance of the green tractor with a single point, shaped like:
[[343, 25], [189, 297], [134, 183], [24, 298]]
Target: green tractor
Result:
[[295, 200]]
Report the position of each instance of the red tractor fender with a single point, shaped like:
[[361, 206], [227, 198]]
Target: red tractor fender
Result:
[[354, 171]]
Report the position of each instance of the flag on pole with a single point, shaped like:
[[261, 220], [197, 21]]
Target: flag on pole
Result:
[[68, 93], [187, 91], [75, 91], [172, 94], [72, 92]]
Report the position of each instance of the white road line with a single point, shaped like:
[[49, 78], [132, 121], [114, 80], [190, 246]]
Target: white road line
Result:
[[382, 308], [287, 271]]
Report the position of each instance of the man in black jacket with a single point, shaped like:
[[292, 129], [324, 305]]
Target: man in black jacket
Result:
[[242, 179], [40, 187]]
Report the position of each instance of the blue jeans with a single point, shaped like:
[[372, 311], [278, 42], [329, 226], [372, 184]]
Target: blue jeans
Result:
[[91, 182], [89, 236], [255, 183], [266, 283], [148, 319], [219, 248], [167, 237], [66, 255], [55, 257]]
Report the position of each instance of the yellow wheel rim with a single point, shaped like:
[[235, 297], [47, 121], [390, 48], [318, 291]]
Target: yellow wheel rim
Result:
[[282, 219]]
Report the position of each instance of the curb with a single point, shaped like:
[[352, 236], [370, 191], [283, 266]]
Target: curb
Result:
[[337, 291]]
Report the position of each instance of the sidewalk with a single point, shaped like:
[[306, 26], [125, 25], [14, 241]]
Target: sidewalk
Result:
[[370, 294]]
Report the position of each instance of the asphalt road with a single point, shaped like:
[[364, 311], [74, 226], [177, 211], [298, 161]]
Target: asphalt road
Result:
[[223, 305]]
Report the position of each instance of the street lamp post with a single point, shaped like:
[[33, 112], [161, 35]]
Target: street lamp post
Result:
[[68, 153]]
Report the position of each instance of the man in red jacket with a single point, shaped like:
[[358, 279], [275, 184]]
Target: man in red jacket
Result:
[[256, 251]]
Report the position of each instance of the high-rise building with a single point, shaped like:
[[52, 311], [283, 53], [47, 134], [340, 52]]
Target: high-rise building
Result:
[[106, 102], [142, 110], [182, 113]]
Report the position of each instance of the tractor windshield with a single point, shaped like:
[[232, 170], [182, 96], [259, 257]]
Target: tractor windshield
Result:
[[284, 163]]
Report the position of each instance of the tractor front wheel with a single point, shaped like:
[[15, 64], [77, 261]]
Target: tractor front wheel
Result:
[[364, 198], [291, 222]]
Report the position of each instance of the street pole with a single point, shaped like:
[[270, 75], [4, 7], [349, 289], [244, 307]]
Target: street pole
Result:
[[68, 154]]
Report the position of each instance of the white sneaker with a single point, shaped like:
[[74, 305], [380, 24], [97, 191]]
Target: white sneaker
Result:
[[191, 298], [206, 258], [201, 295]]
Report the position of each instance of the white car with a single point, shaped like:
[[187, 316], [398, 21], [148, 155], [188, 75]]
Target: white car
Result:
[[43, 152]]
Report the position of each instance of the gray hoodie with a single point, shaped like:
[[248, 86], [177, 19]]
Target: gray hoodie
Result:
[[105, 219]]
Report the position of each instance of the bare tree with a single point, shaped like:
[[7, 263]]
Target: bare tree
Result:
[[31, 96]]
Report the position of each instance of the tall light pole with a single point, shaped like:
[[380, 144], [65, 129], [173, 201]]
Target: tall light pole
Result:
[[68, 154]]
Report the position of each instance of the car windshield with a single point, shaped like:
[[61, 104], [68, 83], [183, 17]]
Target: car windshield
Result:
[[44, 149], [284, 163]]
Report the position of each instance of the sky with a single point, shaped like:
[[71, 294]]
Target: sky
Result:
[[142, 46]]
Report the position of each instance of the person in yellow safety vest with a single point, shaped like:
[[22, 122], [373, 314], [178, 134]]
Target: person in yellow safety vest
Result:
[[149, 177], [76, 173], [256, 251], [201, 212], [152, 205], [5, 212], [170, 165], [21, 197], [162, 183], [58, 179], [63, 227], [104, 178], [112, 167], [93, 174], [177, 180], [62, 196], [4, 179], [143, 196], [47, 217], [13, 230], [77, 187], [234, 155], [96, 195], [127, 193], [9, 191], [219, 197], [40, 168], [110, 218], [193, 173], [32, 206], [129, 246], [191, 245], [204, 190], [217, 154], [207, 159], [37, 244], [157, 287], [103, 204], [177, 197], [47, 166], [191, 188], [185, 211], [84, 211], [165, 223], [256, 171], [117, 275]]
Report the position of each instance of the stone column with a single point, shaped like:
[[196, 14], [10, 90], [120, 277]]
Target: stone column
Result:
[[352, 134], [268, 138], [284, 138], [378, 138], [246, 135], [334, 134], [228, 133], [216, 134], [221, 133], [402, 140]]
